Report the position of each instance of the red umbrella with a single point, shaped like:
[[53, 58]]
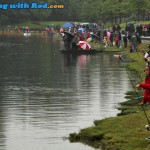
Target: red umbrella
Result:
[[84, 45]]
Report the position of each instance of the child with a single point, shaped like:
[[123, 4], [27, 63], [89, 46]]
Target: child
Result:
[[105, 41], [117, 40], [146, 87]]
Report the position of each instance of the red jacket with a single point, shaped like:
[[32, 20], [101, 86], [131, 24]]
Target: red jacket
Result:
[[116, 39], [146, 87], [81, 38]]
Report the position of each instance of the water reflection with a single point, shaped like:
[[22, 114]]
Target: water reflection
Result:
[[45, 95]]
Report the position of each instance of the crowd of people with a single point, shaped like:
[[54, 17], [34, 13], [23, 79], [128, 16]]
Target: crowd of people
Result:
[[122, 38], [115, 36], [142, 30], [129, 37], [73, 35]]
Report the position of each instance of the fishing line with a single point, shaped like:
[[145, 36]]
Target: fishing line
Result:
[[138, 97]]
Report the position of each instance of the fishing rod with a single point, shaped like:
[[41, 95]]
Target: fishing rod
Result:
[[138, 97]]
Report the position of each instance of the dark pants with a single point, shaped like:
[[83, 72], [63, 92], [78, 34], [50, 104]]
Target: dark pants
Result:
[[125, 44]]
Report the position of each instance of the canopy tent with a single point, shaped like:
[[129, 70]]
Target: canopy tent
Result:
[[67, 25], [85, 23]]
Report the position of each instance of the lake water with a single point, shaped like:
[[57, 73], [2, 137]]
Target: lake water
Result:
[[45, 95]]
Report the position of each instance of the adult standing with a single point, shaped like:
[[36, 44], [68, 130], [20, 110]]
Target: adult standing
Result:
[[111, 38], [118, 28], [120, 39], [134, 42], [125, 40], [145, 29], [127, 28], [140, 30], [114, 28]]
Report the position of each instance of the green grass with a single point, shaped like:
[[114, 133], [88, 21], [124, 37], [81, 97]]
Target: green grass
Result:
[[123, 133], [127, 130]]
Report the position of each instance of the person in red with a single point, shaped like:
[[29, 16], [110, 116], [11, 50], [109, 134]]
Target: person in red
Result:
[[117, 40], [81, 37], [146, 87], [88, 34]]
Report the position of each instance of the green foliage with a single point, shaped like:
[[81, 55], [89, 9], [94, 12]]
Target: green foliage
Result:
[[78, 10], [117, 133]]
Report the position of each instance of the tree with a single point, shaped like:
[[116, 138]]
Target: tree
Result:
[[138, 7]]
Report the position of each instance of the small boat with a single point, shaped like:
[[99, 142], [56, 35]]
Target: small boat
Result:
[[117, 56], [78, 51], [27, 34]]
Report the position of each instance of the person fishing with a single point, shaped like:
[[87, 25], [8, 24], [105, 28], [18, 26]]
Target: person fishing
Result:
[[145, 86], [147, 56]]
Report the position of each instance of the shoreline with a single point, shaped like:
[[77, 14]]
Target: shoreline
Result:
[[127, 129]]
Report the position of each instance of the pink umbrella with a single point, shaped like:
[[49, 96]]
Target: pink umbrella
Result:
[[84, 45]]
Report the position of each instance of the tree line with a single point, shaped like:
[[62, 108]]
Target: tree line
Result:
[[114, 11]]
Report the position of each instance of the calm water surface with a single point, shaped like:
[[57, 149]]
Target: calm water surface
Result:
[[45, 95]]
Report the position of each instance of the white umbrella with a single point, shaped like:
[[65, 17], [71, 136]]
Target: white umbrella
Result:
[[84, 45]]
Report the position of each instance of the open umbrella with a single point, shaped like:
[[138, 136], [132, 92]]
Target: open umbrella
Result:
[[67, 25], [68, 34], [84, 45]]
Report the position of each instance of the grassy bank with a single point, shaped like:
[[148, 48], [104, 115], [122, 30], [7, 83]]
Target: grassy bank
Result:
[[127, 130]]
